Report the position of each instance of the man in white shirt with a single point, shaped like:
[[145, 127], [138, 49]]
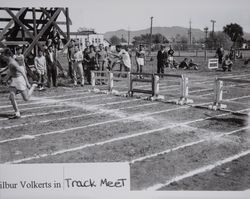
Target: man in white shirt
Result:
[[124, 57], [40, 65], [77, 66]]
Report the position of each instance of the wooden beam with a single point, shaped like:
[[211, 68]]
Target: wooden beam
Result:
[[5, 19], [34, 26], [67, 14], [42, 32], [21, 24], [54, 23], [10, 24], [67, 23]]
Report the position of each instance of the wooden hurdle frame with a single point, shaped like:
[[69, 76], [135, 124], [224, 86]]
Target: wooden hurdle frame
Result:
[[183, 87], [218, 92], [213, 62], [110, 78], [132, 80]]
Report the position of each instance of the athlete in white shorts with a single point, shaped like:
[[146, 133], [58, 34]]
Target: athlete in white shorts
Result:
[[18, 82]]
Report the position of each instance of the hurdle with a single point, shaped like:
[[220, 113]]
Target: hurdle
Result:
[[133, 79], [109, 77], [184, 87], [97, 76], [218, 92], [213, 63]]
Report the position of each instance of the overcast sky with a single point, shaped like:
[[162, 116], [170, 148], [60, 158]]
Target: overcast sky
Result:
[[109, 15]]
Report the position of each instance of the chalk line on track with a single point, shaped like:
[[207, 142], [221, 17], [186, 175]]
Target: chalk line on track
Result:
[[93, 107], [219, 134], [111, 140], [198, 171], [51, 101]]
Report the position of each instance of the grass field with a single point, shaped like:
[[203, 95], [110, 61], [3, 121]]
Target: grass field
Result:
[[168, 146]]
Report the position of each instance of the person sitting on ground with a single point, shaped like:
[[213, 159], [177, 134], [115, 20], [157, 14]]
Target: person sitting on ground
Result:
[[191, 64], [18, 81], [184, 64], [40, 66], [227, 64]]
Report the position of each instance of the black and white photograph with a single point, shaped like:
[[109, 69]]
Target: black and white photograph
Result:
[[162, 86]]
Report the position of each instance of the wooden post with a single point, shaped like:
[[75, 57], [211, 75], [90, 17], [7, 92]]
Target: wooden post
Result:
[[67, 23], [184, 90], [128, 80], [110, 81], [34, 26], [130, 85], [156, 85], [186, 87], [218, 92], [93, 79], [153, 84]]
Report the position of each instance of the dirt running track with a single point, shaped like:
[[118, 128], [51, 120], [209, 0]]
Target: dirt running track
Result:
[[169, 147]]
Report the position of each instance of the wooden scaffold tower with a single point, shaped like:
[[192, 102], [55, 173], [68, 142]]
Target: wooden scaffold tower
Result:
[[34, 27]]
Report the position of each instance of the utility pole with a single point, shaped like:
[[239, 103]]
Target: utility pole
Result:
[[150, 39], [190, 32], [213, 22], [206, 31], [128, 36]]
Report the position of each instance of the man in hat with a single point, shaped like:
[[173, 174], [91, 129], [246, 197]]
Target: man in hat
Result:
[[161, 59]]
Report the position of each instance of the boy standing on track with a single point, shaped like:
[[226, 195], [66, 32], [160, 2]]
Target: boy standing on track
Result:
[[90, 59], [40, 65], [140, 59], [101, 57], [77, 66], [18, 82]]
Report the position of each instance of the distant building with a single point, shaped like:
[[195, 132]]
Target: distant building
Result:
[[82, 37], [106, 42]]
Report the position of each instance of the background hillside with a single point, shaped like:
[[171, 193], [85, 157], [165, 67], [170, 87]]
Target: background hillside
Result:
[[168, 32]]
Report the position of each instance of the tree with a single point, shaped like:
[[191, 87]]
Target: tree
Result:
[[217, 39], [235, 32], [114, 40], [123, 40], [159, 38], [156, 38]]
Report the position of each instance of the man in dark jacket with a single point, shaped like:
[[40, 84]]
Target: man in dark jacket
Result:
[[51, 66], [220, 53], [161, 59]]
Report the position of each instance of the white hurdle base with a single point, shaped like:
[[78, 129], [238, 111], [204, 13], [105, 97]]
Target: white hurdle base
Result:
[[216, 107]]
